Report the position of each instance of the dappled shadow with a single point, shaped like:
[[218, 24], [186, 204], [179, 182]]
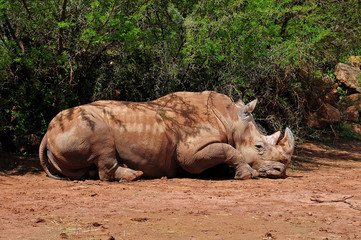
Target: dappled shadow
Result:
[[176, 109], [61, 119], [181, 114], [310, 156], [15, 164]]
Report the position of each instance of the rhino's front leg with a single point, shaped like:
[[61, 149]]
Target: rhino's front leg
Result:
[[218, 153], [244, 171]]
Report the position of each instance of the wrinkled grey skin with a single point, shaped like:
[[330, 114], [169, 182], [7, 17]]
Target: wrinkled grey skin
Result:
[[180, 131]]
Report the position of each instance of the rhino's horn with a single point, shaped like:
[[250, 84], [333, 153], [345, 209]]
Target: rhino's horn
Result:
[[288, 142]]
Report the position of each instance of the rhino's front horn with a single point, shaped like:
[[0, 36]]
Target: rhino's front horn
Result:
[[288, 142]]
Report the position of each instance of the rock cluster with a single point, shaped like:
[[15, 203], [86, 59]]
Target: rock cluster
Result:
[[340, 100]]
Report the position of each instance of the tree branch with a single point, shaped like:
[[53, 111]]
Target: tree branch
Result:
[[13, 34], [61, 30], [343, 200], [27, 9], [102, 27]]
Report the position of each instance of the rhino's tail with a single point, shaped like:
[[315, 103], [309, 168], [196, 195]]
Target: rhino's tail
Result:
[[44, 160]]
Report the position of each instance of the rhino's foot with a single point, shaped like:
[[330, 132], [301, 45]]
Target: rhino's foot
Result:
[[245, 172], [127, 174]]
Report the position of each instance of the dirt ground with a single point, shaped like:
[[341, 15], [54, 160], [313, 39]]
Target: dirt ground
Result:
[[321, 199]]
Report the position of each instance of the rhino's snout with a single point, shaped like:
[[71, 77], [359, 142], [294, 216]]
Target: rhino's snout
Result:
[[273, 170]]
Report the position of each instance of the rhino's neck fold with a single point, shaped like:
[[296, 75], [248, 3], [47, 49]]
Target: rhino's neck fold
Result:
[[224, 124]]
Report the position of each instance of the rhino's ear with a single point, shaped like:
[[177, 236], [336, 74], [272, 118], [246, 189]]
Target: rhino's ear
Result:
[[251, 106], [245, 112]]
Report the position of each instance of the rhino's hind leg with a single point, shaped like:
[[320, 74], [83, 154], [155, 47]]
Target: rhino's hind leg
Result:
[[127, 174], [110, 170], [106, 160]]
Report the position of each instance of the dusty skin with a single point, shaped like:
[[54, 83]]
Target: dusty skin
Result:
[[321, 199]]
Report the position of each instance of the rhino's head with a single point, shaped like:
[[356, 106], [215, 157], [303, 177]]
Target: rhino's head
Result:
[[269, 155]]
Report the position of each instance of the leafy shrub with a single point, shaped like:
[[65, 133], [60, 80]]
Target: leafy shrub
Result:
[[55, 55]]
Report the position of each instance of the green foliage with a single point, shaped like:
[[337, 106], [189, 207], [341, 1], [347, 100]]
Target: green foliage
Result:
[[58, 54], [341, 91], [347, 132]]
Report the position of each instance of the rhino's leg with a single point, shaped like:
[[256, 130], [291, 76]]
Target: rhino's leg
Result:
[[127, 174], [103, 145], [108, 166], [217, 153], [110, 170]]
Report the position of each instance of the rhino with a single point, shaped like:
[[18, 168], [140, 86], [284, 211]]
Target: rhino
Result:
[[182, 131]]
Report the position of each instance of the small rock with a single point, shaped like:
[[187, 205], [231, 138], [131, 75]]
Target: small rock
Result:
[[351, 100], [330, 114], [40, 220], [268, 235], [312, 120], [356, 128], [139, 219], [64, 236], [331, 96], [326, 115], [349, 75], [351, 114], [95, 224]]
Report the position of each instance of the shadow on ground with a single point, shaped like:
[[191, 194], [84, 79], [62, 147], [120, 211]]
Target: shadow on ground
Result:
[[16, 164], [310, 156]]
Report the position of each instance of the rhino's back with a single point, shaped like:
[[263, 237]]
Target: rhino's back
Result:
[[181, 108]]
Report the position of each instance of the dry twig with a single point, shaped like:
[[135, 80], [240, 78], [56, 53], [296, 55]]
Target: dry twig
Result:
[[337, 200]]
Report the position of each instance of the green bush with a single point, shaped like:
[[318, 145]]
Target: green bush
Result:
[[58, 54]]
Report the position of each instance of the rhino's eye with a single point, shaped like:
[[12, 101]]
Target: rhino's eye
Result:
[[259, 147]]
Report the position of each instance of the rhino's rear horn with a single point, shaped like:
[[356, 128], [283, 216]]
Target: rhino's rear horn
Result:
[[288, 142], [273, 139]]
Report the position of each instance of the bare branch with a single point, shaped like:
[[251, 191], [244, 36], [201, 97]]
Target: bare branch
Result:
[[99, 29], [61, 30], [331, 201], [14, 35], [343, 200], [27, 9]]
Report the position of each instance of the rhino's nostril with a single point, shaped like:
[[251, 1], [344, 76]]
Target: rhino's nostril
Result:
[[278, 169]]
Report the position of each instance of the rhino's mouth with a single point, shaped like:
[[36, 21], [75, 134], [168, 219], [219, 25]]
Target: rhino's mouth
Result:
[[277, 170]]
